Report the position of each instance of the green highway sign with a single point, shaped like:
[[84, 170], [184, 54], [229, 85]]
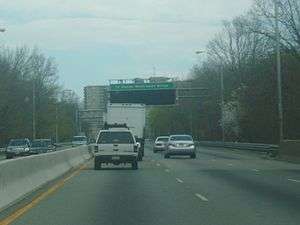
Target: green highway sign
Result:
[[142, 87]]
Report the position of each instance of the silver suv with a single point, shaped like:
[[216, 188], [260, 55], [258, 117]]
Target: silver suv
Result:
[[116, 146]]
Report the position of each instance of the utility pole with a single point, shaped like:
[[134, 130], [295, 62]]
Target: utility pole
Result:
[[279, 76], [33, 110], [56, 123], [222, 101]]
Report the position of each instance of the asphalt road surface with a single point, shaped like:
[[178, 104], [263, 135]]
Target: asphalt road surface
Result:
[[220, 187]]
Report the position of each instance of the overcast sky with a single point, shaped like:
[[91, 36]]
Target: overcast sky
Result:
[[96, 40]]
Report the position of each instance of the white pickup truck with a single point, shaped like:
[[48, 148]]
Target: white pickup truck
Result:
[[116, 146]]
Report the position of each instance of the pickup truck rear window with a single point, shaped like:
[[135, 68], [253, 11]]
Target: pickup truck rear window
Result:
[[115, 138]]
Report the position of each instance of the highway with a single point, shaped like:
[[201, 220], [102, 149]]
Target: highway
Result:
[[220, 187]]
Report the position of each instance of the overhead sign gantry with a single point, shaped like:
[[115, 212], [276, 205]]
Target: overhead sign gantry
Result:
[[142, 91]]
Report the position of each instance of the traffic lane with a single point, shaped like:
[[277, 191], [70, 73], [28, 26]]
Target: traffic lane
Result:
[[282, 174], [253, 161], [123, 196], [263, 198]]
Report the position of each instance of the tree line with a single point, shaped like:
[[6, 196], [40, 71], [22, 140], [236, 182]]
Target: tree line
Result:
[[244, 51], [25, 73]]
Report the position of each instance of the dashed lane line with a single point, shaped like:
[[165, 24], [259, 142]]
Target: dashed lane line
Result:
[[201, 197], [179, 180], [293, 180]]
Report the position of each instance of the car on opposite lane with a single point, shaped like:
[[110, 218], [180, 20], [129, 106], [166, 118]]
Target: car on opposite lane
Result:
[[116, 146], [180, 145], [18, 147], [160, 143], [79, 140], [39, 146]]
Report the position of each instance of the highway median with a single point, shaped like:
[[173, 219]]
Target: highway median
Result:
[[21, 176]]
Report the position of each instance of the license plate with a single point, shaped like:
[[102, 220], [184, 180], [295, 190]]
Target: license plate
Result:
[[115, 157]]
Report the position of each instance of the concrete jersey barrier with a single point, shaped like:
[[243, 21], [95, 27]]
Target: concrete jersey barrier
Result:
[[21, 176]]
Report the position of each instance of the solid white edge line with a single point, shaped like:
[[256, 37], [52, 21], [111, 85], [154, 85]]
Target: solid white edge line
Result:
[[229, 164], [179, 180], [201, 197], [297, 181], [255, 170], [158, 164], [167, 170]]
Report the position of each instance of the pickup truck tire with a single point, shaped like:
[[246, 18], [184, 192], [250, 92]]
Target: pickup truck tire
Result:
[[193, 156], [140, 157], [134, 165]]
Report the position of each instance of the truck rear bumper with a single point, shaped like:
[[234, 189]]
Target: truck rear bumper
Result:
[[116, 159]]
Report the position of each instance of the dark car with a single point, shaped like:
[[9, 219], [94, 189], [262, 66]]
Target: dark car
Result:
[[39, 146]]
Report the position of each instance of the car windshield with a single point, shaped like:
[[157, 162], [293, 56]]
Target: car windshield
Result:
[[39, 144], [79, 139], [17, 143], [116, 138], [181, 138], [164, 139]]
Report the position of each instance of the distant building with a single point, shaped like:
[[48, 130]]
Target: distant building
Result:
[[95, 97], [69, 96], [95, 102]]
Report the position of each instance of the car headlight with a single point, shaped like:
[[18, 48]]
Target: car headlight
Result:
[[26, 149], [192, 146]]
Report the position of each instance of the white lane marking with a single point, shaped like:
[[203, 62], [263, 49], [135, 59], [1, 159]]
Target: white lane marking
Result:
[[213, 160], [167, 170], [255, 170], [179, 180], [158, 164], [297, 181], [229, 164], [152, 160], [201, 197]]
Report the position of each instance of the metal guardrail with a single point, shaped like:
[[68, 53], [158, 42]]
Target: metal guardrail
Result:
[[268, 148]]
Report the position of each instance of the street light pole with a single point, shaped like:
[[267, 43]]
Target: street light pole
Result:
[[33, 111], [56, 123], [279, 76], [222, 101]]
